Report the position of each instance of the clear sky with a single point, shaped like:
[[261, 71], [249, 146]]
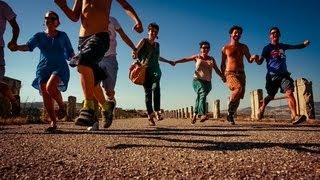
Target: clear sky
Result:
[[183, 24]]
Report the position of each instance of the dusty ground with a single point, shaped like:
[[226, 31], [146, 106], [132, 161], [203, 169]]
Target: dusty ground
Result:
[[131, 149]]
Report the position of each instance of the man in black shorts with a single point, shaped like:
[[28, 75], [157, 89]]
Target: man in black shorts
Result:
[[278, 75]]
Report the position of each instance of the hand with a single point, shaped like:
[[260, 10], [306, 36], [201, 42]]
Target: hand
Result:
[[306, 43], [138, 27], [254, 58], [172, 63], [223, 78], [61, 3], [13, 46], [134, 54]]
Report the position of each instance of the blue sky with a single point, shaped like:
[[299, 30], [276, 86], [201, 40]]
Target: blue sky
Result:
[[183, 24]]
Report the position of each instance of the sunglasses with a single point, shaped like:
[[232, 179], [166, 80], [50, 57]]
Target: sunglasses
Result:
[[274, 32], [205, 47], [50, 18]]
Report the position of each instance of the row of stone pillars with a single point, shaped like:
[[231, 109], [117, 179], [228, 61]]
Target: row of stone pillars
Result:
[[303, 95], [187, 112]]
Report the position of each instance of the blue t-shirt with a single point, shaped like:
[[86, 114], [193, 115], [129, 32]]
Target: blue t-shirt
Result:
[[276, 58]]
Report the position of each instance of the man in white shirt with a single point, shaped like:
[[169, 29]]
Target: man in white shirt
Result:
[[109, 63]]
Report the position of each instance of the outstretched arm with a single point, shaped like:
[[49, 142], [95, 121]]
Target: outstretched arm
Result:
[[223, 61], [250, 58], [217, 70], [72, 14], [126, 39], [299, 46], [186, 59], [15, 34], [23, 47], [132, 13], [166, 61]]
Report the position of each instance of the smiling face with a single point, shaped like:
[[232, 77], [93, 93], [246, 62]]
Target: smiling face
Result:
[[51, 21], [274, 36], [236, 35], [204, 49], [153, 33]]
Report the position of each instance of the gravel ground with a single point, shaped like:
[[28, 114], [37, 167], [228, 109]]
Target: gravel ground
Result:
[[174, 149]]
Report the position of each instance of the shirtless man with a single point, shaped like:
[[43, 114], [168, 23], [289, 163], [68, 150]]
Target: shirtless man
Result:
[[233, 68], [278, 76], [93, 44]]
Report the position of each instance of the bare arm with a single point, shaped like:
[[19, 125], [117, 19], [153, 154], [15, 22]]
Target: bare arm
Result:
[[223, 61], [299, 46], [166, 61], [23, 48], [247, 54], [72, 14], [217, 70], [15, 34], [126, 39], [260, 60], [186, 59], [132, 13]]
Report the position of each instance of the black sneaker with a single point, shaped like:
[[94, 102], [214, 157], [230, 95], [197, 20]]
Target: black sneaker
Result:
[[230, 119], [87, 117], [107, 116], [299, 119]]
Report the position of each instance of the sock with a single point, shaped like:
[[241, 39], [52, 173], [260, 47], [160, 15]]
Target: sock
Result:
[[88, 104], [105, 106]]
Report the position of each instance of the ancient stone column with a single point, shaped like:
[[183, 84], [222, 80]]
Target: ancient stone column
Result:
[[187, 113], [304, 98], [256, 98], [216, 109], [71, 108], [191, 111]]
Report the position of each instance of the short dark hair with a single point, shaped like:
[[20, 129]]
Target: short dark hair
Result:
[[204, 43], [55, 14], [276, 29], [235, 27], [153, 25]]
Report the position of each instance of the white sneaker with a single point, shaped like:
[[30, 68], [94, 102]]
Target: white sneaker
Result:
[[94, 127]]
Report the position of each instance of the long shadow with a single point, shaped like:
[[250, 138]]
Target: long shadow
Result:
[[133, 134], [230, 146]]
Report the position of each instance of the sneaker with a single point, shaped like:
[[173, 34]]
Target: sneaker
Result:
[[51, 129], [194, 119], [299, 119], [94, 127], [107, 116], [204, 118], [61, 112], [230, 119], [87, 117], [159, 116], [151, 120]]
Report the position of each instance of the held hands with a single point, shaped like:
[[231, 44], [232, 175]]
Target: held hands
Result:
[[138, 27], [172, 63], [254, 58], [306, 43], [13, 46], [134, 54]]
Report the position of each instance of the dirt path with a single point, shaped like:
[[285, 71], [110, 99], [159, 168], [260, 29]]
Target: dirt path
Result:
[[173, 149]]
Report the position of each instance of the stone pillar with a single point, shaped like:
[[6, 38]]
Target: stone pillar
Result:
[[180, 113], [187, 113], [256, 98], [71, 108], [191, 111], [304, 98], [183, 113], [216, 109], [177, 113]]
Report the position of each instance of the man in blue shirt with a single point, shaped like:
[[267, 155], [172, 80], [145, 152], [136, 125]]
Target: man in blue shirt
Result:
[[278, 75]]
